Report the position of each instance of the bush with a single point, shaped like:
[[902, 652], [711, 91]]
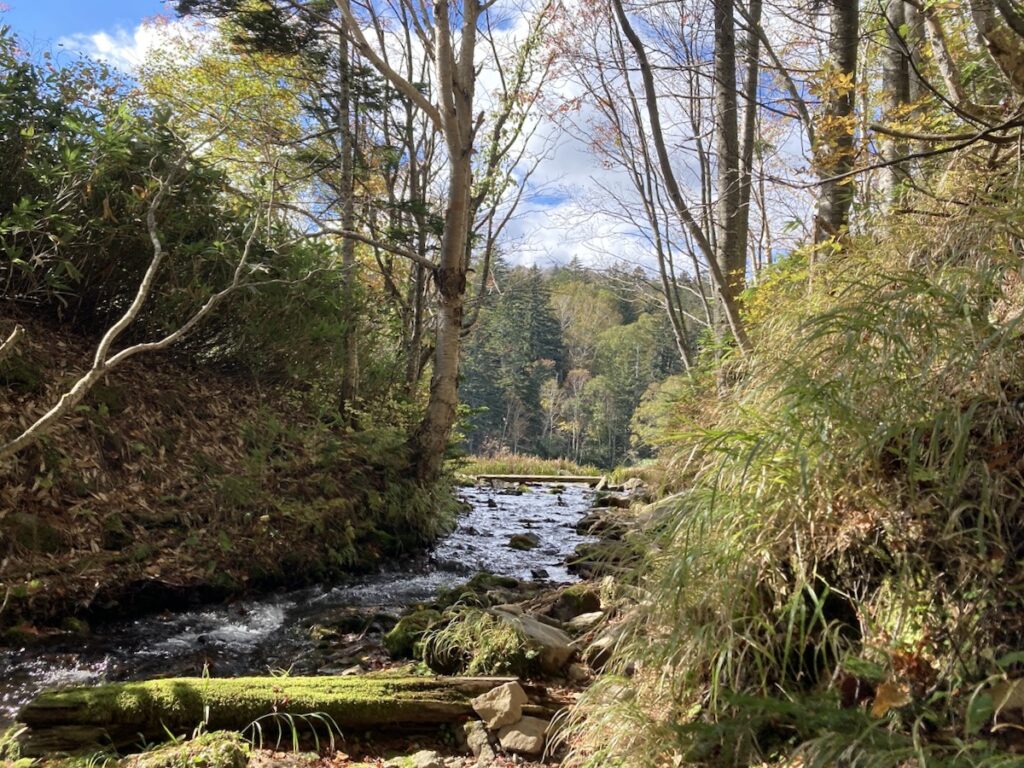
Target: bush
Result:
[[840, 571]]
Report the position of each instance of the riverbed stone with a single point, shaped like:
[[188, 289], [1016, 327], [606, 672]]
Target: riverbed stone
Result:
[[425, 758], [584, 622], [524, 541], [525, 737], [478, 741], [501, 706]]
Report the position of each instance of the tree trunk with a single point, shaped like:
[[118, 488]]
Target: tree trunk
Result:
[[834, 151], [350, 375], [896, 79], [431, 439], [732, 259]]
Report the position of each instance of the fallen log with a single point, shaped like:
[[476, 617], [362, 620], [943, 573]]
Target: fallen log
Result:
[[125, 714]]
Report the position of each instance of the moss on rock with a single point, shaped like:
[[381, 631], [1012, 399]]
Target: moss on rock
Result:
[[401, 641], [220, 749]]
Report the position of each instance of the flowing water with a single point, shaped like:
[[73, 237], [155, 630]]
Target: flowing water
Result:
[[277, 632]]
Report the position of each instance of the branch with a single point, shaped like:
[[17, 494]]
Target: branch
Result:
[[365, 49], [102, 364], [986, 135], [7, 347], [965, 136]]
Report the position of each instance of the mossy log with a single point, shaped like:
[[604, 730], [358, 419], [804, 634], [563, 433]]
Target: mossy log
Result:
[[125, 714]]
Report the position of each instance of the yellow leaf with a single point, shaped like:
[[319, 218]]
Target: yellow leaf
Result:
[[890, 696]]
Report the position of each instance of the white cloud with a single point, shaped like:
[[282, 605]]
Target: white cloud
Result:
[[127, 50]]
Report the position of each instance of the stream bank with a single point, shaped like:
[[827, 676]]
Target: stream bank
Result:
[[562, 610], [314, 630]]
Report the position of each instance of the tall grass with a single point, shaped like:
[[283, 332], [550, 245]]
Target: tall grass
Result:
[[840, 574], [522, 464]]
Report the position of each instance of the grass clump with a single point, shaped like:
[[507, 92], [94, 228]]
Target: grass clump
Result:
[[473, 641], [840, 573]]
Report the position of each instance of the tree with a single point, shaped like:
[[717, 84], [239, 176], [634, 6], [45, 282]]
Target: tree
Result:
[[834, 143]]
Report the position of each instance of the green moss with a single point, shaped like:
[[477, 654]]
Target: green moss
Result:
[[475, 590], [401, 640], [575, 600], [211, 750], [179, 703]]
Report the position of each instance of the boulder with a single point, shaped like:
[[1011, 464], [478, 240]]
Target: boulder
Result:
[[553, 646], [599, 652], [525, 737], [575, 600], [401, 640], [501, 706], [478, 742]]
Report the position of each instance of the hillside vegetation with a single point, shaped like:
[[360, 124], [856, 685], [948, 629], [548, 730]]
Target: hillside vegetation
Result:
[[836, 573]]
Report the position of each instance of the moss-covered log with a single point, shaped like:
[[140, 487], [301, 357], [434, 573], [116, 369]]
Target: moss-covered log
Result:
[[124, 714]]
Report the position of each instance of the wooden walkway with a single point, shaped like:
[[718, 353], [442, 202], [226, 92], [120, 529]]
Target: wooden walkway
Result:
[[553, 479]]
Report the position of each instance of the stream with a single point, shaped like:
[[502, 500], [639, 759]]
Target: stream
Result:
[[278, 631]]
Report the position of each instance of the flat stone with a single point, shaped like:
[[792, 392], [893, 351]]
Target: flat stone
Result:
[[501, 706], [425, 758], [525, 737], [584, 622]]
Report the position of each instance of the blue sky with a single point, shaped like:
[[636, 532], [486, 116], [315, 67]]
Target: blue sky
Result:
[[41, 23]]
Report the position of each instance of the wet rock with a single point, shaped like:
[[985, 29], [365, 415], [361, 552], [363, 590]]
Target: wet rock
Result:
[[599, 522], [478, 742], [492, 504], [539, 573], [612, 500], [524, 541], [584, 622], [605, 558], [525, 737], [501, 706]]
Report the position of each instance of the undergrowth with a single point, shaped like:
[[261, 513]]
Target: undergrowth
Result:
[[838, 576]]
